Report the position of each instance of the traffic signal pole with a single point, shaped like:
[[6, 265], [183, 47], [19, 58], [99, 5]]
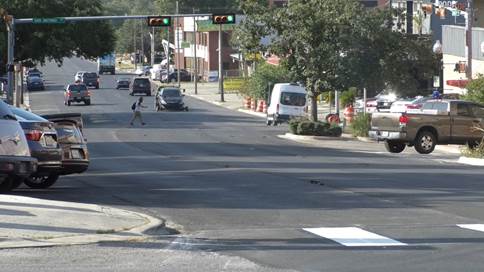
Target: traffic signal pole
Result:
[[220, 66], [10, 59], [469, 25]]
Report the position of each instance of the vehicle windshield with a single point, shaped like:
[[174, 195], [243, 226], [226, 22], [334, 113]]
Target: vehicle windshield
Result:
[[171, 92], [293, 99], [69, 134], [77, 88], [89, 75], [141, 82], [123, 79]]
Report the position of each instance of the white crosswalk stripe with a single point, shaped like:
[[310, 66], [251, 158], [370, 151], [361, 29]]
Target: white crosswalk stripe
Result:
[[354, 237], [476, 227]]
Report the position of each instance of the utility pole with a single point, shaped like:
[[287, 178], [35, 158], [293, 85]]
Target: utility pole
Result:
[[469, 24], [220, 68], [177, 33], [10, 57], [134, 47], [409, 17], [168, 56], [152, 56], [195, 61], [142, 55]]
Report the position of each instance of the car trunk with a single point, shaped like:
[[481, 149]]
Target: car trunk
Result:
[[13, 142]]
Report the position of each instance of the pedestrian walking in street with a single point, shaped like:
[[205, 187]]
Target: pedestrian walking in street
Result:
[[137, 106]]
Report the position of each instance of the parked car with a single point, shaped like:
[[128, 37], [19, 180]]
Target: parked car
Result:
[[409, 104], [123, 83], [78, 76], [42, 141], [170, 98], [143, 71], [15, 160], [140, 85], [439, 122], [288, 100], [35, 83], [75, 155], [173, 76], [90, 79], [212, 76], [77, 92]]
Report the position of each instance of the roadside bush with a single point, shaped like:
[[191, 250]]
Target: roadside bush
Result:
[[348, 97], [361, 125], [335, 131], [476, 152], [475, 90], [321, 129], [305, 128], [293, 124]]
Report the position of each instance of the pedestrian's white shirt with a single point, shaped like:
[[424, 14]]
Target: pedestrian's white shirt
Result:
[[138, 107]]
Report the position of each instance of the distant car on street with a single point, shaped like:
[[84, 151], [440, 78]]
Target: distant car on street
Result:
[[140, 85], [123, 83], [173, 76], [90, 79], [78, 76], [143, 71], [35, 83], [170, 98], [409, 104], [77, 92], [212, 76]]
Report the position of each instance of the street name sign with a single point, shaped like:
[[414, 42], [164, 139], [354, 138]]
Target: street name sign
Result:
[[56, 20]]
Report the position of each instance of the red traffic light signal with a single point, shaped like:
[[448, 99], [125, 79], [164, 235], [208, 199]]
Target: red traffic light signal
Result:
[[159, 21], [222, 19]]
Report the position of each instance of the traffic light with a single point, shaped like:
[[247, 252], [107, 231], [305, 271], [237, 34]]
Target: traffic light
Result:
[[159, 21], [222, 19]]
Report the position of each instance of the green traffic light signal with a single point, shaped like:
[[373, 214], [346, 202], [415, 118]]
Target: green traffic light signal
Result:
[[222, 19], [160, 21]]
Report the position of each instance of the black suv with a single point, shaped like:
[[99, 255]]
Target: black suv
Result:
[[90, 79], [140, 85], [15, 160]]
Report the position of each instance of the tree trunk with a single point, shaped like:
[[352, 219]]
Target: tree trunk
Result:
[[314, 107]]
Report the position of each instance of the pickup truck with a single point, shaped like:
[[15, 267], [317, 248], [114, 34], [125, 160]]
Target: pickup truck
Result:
[[438, 122]]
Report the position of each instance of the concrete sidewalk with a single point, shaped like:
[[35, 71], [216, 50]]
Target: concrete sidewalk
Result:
[[33, 222]]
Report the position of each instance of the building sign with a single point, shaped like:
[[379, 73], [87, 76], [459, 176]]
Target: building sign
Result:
[[207, 26]]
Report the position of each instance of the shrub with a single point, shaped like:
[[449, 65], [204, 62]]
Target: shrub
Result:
[[348, 97], [335, 131], [361, 125], [305, 128], [293, 124], [321, 129], [475, 90], [476, 152]]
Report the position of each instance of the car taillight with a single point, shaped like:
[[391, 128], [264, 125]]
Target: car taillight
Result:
[[69, 93], [404, 120], [33, 135]]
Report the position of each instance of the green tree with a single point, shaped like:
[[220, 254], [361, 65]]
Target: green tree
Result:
[[475, 90], [265, 77], [38, 43]]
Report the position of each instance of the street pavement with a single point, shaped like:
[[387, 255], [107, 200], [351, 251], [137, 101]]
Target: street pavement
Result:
[[236, 197]]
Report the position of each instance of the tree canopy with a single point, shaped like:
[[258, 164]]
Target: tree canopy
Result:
[[37, 43]]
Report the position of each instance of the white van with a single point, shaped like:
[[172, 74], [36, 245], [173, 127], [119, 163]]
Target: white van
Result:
[[288, 100]]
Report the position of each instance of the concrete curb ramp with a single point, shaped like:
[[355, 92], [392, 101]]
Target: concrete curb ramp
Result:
[[33, 222]]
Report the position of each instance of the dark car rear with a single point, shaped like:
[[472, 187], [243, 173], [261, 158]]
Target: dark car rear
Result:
[[42, 140], [35, 83], [141, 85], [15, 160], [90, 79], [75, 155], [123, 83], [77, 93]]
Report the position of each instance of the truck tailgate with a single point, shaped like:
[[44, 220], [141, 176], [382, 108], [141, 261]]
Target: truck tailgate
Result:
[[385, 121]]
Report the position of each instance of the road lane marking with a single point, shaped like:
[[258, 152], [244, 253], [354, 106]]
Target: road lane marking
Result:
[[354, 237], [476, 227]]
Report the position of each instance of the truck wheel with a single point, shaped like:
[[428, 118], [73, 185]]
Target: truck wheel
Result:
[[473, 144], [16, 182], [41, 182], [425, 142], [5, 184], [394, 147], [87, 102]]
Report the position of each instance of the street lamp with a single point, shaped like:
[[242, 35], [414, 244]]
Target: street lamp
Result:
[[437, 49]]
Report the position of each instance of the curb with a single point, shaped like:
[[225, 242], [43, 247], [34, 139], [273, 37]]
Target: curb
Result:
[[122, 233], [471, 161], [294, 137]]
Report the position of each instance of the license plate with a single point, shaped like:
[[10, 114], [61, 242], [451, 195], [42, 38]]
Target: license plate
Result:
[[384, 133], [75, 154]]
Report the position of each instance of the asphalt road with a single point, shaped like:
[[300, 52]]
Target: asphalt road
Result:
[[239, 199]]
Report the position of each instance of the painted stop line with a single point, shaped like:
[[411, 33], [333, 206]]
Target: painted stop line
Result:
[[354, 237], [476, 227]]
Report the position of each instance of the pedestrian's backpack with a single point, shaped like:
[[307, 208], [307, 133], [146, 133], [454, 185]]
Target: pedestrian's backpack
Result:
[[133, 107]]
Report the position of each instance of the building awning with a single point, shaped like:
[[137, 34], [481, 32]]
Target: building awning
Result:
[[460, 83]]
